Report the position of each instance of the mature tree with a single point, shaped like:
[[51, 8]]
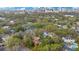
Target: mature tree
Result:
[[2, 31], [50, 27], [13, 42], [28, 41]]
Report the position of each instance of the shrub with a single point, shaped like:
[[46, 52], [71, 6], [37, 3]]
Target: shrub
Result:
[[27, 41], [12, 42]]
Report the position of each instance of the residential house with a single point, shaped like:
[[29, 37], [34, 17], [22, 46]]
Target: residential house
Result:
[[48, 34], [2, 18], [12, 22], [62, 26], [69, 43], [69, 15], [68, 39], [4, 37], [6, 27]]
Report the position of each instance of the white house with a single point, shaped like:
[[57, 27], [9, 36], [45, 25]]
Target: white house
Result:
[[62, 26], [12, 22], [69, 15], [6, 27], [56, 19], [68, 40], [45, 34], [2, 18], [5, 37]]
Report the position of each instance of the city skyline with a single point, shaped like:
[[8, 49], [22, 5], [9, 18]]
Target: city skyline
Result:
[[33, 8]]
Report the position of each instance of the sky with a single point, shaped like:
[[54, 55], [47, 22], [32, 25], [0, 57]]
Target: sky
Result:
[[39, 3]]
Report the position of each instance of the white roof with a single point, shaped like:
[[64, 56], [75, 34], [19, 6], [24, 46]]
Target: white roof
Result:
[[68, 40]]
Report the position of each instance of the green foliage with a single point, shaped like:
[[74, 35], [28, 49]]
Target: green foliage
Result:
[[77, 39], [38, 32], [62, 32], [12, 42], [38, 22], [49, 40], [77, 49], [18, 28], [37, 25], [2, 31], [27, 41], [45, 20], [49, 44], [50, 27], [48, 47], [41, 48], [56, 47]]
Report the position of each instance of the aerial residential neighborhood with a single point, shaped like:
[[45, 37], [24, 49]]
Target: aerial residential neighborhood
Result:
[[39, 29]]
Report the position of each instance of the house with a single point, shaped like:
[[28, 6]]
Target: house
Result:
[[73, 27], [65, 27], [48, 11], [56, 19], [68, 39], [12, 22], [19, 12], [2, 18], [67, 48], [69, 43], [62, 26], [45, 34], [77, 23], [69, 15], [49, 34], [12, 31], [70, 47], [74, 45], [4, 37], [6, 27], [29, 31]]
